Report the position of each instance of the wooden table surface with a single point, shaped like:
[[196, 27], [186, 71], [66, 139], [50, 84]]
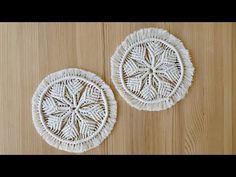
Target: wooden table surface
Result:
[[203, 123]]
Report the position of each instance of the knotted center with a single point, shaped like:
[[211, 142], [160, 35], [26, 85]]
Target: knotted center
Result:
[[72, 108], [150, 70]]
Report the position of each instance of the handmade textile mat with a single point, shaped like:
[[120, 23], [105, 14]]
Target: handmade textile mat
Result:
[[73, 110], [151, 69]]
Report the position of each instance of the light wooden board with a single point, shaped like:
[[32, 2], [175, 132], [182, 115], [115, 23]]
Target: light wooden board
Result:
[[203, 123]]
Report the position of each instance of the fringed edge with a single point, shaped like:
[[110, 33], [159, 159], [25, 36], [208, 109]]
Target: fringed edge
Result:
[[95, 140], [139, 36]]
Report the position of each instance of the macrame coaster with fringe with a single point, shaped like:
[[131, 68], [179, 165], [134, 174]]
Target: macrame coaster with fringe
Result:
[[151, 69], [73, 110]]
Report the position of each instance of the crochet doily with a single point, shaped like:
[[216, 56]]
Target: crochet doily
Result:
[[151, 69], [73, 110]]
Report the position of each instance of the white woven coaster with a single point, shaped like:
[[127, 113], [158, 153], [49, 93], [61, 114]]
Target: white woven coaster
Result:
[[73, 110], [151, 69]]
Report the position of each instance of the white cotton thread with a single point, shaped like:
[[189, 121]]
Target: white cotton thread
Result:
[[151, 69], [73, 110]]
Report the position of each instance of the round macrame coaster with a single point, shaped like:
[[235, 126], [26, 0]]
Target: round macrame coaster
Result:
[[73, 110], [151, 69]]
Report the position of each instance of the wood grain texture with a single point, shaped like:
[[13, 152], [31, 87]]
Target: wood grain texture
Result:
[[203, 123]]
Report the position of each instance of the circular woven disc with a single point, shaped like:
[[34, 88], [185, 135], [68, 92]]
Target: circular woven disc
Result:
[[73, 110], [151, 69]]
